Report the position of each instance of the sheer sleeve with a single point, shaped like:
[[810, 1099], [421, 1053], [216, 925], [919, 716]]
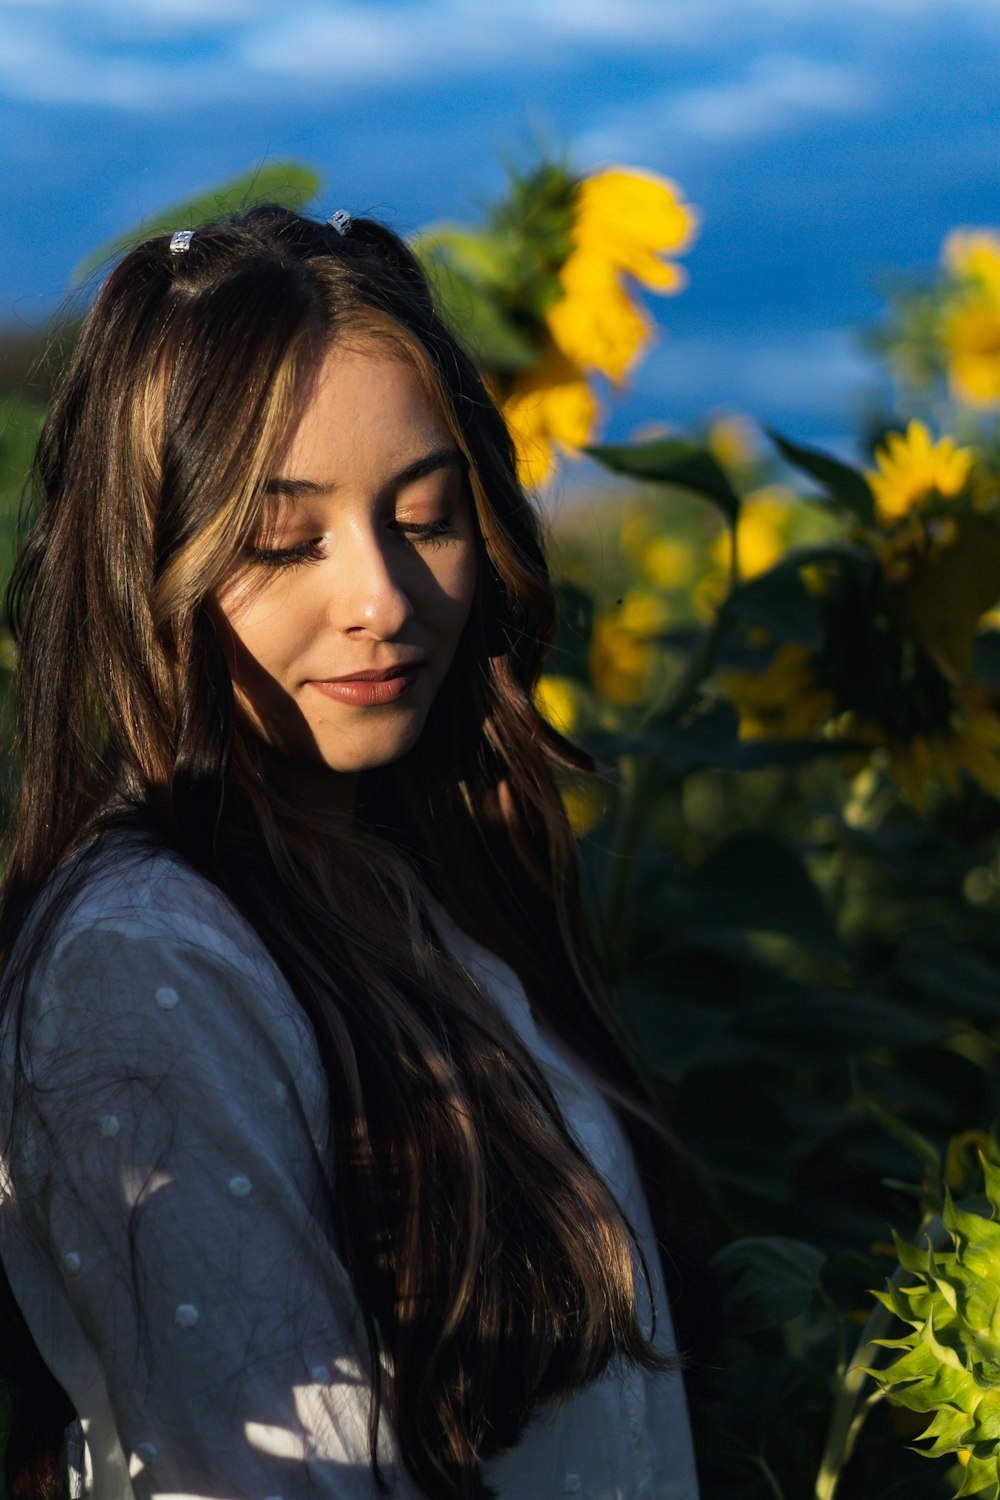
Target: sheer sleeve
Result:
[[168, 1222]]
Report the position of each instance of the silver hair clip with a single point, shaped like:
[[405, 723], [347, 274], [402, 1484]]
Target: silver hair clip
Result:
[[340, 221], [180, 241]]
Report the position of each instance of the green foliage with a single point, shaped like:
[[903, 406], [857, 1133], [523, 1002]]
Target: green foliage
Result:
[[286, 183], [20, 424], [798, 914], [466, 272], [779, 603], [766, 1281], [949, 1361], [494, 282], [793, 945], [671, 461], [843, 485]]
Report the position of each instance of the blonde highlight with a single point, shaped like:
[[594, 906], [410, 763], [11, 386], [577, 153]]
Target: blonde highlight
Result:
[[491, 1263]]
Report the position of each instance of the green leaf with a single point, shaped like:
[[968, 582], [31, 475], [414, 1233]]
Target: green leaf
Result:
[[991, 1172], [981, 1477], [736, 1123], [287, 183], [965, 983], [672, 461], [844, 485], [766, 1281], [762, 1390], [570, 652], [676, 1031], [758, 882], [918, 1144], [986, 659], [779, 602], [833, 1024], [474, 255], [947, 1356], [20, 424], [710, 737], [473, 312]]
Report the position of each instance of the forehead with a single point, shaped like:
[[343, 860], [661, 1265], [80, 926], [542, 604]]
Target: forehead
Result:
[[367, 404]]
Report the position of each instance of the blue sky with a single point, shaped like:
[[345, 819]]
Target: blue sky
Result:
[[826, 144]]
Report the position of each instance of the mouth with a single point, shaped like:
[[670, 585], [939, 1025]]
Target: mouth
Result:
[[370, 688]]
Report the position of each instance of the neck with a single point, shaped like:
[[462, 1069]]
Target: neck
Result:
[[311, 788]]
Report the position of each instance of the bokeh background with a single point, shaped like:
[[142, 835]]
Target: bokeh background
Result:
[[828, 143]]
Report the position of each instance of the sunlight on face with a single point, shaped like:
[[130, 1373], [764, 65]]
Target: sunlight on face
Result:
[[340, 624]]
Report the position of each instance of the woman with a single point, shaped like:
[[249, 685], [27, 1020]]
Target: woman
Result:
[[317, 1180]]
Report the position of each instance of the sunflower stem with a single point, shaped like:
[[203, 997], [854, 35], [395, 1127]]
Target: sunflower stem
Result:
[[639, 776], [681, 692], [849, 1411], [845, 1421]]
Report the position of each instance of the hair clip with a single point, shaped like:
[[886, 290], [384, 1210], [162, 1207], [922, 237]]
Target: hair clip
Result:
[[340, 221], [180, 241]]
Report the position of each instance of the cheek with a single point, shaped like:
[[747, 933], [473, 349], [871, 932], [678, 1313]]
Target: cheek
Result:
[[254, 630], [458, 587]]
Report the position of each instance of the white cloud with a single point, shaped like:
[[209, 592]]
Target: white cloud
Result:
[[366, 44], [113, 50], [54, 74], [111, 12], [777, 91], [807, 375], [779, 88]]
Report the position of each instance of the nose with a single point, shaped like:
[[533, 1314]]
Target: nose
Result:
[[370, 593]]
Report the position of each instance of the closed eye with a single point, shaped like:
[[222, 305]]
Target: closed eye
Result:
[[284, 557], [431, 532], [426, 533]]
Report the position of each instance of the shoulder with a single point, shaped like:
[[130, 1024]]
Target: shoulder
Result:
[[140, 889], [146, 958]]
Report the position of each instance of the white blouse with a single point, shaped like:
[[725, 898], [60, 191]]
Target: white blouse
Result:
[[163, 1232]]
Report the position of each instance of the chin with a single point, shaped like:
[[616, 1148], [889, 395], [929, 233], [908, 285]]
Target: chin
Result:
[[368, 757]]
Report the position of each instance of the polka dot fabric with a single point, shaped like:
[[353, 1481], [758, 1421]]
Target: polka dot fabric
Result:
[[167, 1233]]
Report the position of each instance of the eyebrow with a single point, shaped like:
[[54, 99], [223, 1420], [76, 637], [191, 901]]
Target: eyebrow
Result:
[[430, 463]]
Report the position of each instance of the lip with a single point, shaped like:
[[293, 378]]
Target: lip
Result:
[[370, 688]]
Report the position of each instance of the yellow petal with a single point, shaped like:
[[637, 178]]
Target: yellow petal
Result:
[[596, 323], [668, 563], [557, 700], [624, 223], [912, 470], [625, 206], [973, 255], [971, 338], [549, 403], [624, 656], [585, 804]]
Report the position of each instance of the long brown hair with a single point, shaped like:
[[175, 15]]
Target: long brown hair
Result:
[[491, 1264]]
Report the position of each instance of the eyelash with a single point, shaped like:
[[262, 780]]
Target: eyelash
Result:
[[431, 533]]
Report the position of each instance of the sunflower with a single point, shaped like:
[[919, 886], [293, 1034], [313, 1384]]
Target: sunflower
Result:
[[624, 223], [973, 255], [947, 1362], [941, 574], [970, 328], [967, 742], [971, 336], [624, 654], [763, 529], [548, 404], [784, 701], [912, 471]]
